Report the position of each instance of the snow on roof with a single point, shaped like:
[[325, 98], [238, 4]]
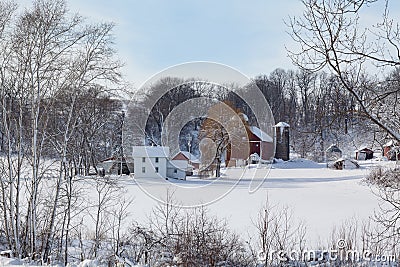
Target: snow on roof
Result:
[[195, 161], [390, 143], [244, 116], [333, 148], [348, 161], [363, 147], [179, 164], [190, 156], [151, 151], [282, 124], [117, 159], [254, 156], [261, 134]]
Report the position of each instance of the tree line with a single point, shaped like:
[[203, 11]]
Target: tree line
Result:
[[58, 117], [319, 109]]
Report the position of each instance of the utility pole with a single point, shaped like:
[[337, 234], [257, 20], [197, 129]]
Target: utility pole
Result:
[[189, 140], [122, 141]]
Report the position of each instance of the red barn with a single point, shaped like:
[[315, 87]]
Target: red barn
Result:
[[390, 150], [261, 145]]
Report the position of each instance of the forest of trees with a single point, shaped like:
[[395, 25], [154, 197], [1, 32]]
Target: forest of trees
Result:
[[316, 105]]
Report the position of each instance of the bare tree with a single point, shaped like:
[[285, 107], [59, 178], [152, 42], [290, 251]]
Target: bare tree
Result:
[[107, 196], [119, 214], [45, 53], [329, 35], [193, 238], [277, 234], [11, 168], [386, 187]]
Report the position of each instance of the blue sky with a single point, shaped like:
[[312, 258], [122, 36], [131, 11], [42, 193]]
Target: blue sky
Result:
[[155, 34]]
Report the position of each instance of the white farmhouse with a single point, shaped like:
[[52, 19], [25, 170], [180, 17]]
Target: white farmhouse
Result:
[[150, 161], [154, 161]]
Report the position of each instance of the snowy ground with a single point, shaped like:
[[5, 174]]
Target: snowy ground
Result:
[[321, 197]]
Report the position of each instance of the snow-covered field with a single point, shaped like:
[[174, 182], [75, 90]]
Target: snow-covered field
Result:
[[321, 197]]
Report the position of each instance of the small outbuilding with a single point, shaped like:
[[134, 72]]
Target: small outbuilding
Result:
[[116, 166], [333, 152], [189, 157], [364, 153], [177, 169], [342, 163]]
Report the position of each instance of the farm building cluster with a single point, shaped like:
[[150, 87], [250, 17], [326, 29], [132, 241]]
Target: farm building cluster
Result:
[[157, 161], [152, 161], [334, 159]]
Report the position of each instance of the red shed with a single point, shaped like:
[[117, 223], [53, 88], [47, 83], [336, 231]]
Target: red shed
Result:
[[364, 153]]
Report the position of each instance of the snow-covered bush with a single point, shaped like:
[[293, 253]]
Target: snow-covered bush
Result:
[[184, 237], [385, 178]]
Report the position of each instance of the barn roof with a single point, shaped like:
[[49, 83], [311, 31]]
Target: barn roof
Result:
[[189, 156], [261, 134]]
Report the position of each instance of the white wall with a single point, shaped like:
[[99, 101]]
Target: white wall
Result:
[[149, 166], [179, 174]]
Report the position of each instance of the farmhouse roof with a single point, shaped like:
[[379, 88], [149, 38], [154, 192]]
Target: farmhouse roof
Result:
[[364, 148], [150, 151]]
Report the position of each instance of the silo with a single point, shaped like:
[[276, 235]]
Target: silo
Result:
[[282, 140]]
